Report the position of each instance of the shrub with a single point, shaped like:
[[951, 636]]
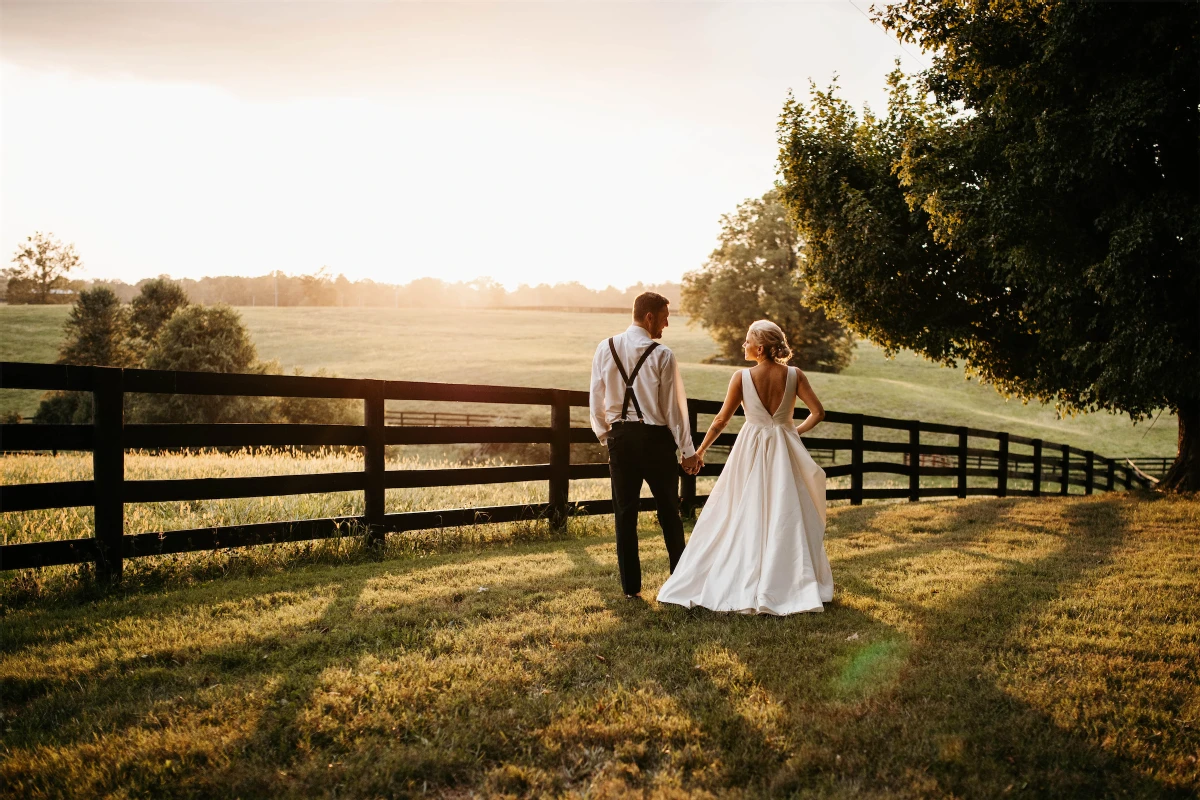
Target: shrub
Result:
[[315, 410], [203, 339], [65, 408]]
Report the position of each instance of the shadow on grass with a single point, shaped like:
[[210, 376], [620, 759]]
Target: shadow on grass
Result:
[[949, 727], [834, 703], [891, 713]]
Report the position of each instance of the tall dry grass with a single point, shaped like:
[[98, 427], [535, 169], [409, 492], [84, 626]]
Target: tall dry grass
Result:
[[73, 523]]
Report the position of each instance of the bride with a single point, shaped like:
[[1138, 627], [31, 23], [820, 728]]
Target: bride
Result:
[[758, 546]]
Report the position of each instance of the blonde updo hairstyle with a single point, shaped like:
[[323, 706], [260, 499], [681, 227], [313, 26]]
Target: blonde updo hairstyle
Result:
[[773, 340]]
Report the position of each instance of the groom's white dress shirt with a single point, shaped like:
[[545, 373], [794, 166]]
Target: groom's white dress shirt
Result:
[[658, 386]]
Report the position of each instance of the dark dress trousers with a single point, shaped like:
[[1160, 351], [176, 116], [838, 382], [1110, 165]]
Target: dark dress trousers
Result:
[[639, 452]]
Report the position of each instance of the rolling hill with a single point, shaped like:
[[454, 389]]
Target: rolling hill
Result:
[[534, 348]]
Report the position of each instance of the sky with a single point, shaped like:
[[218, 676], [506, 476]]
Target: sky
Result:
[[597, 142]]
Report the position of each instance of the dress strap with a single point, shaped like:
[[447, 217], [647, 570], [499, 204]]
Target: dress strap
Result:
[[747, 392]]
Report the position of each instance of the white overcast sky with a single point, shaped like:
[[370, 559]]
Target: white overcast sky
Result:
[[530, 142]]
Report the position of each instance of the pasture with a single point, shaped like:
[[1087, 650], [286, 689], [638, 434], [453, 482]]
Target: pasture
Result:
[[554, 349], [991, 647], [979, 648]]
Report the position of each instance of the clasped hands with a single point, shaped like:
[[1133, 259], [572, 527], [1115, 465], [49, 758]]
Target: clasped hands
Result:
[[692, 464]]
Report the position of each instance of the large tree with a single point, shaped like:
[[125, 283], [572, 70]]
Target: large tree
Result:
[[754, 273], [40, 266], [1030, 206]]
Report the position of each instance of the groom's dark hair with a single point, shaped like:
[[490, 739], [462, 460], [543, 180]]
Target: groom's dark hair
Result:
[[648, 303]]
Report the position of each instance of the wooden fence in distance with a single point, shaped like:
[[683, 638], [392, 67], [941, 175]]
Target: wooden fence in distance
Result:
[[109, 436], [1151, 465], [439, 419]]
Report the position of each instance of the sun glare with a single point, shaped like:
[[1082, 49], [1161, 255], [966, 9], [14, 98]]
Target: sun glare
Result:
[[591, 143]]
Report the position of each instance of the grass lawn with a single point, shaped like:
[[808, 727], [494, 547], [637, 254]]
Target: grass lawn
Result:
[[984, 648], [553, 349]]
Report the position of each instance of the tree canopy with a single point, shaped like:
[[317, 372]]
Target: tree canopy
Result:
[[156, 303], [97, 332], [754, 274], [39, 271], [203, 339], [1029, 205], [161, 330]]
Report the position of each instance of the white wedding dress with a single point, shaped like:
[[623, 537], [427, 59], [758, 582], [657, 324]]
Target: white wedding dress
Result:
[[759, 544]]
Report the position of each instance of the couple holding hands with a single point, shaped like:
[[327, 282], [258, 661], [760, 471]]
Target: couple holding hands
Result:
[[758, 544]]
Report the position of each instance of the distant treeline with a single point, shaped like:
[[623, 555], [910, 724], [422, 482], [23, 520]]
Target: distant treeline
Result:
[[321, 289]]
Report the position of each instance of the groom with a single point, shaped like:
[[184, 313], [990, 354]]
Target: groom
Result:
[[639, 410]]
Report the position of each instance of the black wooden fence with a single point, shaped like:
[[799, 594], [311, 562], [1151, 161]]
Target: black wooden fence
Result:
[[110, 436]]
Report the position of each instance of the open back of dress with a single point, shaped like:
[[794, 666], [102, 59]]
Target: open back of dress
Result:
[[759, 544]]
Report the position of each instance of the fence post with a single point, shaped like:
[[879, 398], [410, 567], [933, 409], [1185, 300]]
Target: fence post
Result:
[[1065, 478], [1128, 477], [856, 461], [962, 462], [687, 483], [108, 470], [560, 459], [373, 454], [1002, 475], [1037, 467], [1110, 478], [914, 456], [1089, 471]]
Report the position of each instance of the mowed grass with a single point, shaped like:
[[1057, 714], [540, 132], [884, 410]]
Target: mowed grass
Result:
[[1039, 648], [552, 349]]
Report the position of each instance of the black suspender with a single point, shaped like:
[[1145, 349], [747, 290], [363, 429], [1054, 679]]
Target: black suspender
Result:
[[629, 395]]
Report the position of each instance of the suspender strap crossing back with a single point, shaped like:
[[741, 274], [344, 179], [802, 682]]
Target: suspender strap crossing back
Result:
[[629, 378]]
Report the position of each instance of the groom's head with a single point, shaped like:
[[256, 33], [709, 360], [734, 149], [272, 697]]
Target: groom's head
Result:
[[650, 312]]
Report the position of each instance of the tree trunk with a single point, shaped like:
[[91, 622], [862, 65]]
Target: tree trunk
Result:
[[1184, 475]]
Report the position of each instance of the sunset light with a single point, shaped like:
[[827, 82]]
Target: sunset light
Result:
[[527, 142]]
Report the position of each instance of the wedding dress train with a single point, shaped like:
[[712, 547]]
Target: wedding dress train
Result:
[[758, 546]]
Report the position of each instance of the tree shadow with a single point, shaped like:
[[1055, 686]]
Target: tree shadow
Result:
[[835, 703], [285, 668], [881, 711], [974, 732]]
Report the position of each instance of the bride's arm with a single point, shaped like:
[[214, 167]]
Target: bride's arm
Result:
[[816, 411], [733, 398]]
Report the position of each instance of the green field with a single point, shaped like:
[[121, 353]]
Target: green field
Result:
[[974, 648], [989, 648], [554, 349]]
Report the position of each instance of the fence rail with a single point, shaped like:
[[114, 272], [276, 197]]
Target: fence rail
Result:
[[1050, 467], [1151, 465], [441, 418]]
